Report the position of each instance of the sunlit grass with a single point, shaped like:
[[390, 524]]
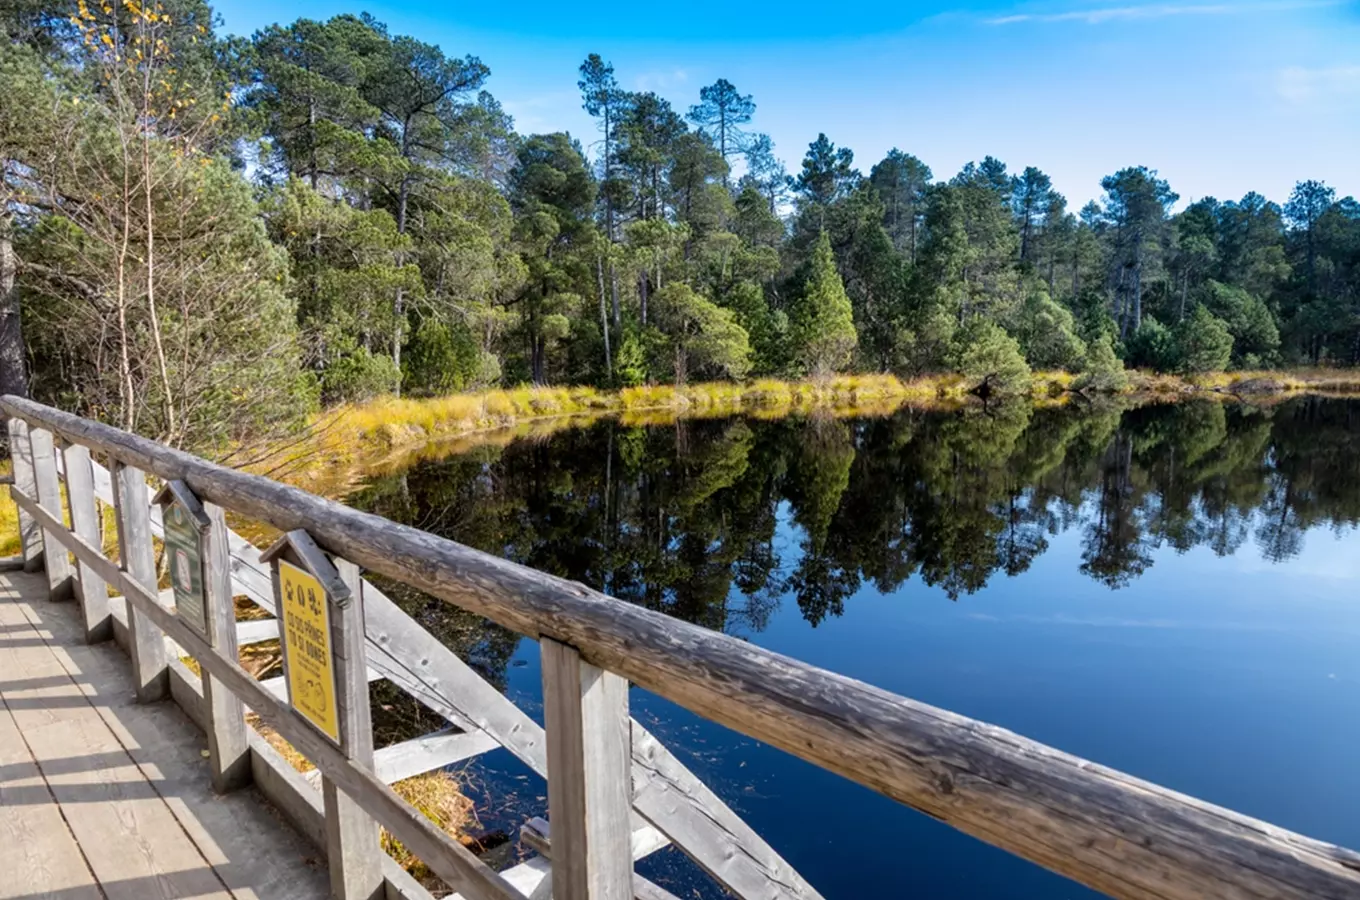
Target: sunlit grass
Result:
[[350, 439]]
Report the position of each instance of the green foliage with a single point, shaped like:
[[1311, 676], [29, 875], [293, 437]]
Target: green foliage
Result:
[[358, 374], [821, 326], [441, 360], [1153, 346], [1046, 332], [1256, 339], [630, 364], [703, 336], [1102, 370], [1203, 343], [404, 219], [984, 353]]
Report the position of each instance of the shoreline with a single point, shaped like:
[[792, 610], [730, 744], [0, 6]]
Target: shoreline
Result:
[[346, 443]]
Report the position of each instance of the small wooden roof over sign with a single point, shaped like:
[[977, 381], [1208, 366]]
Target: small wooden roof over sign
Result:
[[177, 491], [313, 560]]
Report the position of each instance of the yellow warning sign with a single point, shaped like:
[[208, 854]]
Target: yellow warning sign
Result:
[[307, 631]]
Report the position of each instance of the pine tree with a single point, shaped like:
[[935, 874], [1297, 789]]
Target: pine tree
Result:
[[822, 321]]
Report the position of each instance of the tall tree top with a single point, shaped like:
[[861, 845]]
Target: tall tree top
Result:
[[828, 171], [722, 110]]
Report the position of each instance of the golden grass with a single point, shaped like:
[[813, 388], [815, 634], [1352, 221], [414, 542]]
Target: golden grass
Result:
[[436, 794], [9, 516], [349, 441]]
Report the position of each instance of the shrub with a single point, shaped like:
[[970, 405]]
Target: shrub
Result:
[[358, 375], [985, 352], [1203, 343]]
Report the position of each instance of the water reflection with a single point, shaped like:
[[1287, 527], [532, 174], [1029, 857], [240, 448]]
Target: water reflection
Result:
[[682, 518], [1208, 677]]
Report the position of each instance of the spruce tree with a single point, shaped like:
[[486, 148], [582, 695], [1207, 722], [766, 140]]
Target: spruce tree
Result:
[[822, 321]]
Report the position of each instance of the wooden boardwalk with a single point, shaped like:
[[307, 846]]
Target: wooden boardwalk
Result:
[[104, 797], [101, 797]]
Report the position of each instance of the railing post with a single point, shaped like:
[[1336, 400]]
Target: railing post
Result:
[[590, 794], [227, 743], [352, 839], [146, 642], [60, 576], [85, 521], [21, 453], [321, 623]]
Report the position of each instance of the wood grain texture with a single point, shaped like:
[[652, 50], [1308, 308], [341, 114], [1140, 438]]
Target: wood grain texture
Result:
[[675, 800], [429, 752], [238, 835], [448, 859], [229, 753], [537, 835], [352, 847], [86, 522], [133, 844], [1105, 829], [38, 854], [147, 644], [60, 575], [585, 714]]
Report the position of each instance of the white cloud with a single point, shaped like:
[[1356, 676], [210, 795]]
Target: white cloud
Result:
[[1299, 85], [1101, 15], [660, 81]]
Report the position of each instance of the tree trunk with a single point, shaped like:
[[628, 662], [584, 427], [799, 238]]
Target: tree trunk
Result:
[[399, 301], [168, 403], [642, 296], [13, 363], [614, 293], [604, 320], [1138, 294]]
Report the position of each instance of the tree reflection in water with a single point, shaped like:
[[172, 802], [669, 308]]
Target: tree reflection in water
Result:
[[717, 521]]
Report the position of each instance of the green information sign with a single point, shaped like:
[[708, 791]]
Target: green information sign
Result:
[[183, 547]]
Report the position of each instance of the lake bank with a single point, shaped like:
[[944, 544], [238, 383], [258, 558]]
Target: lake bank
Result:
[[345, 442]]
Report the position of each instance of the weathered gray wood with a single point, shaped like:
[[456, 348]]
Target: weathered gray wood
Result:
[[585, 714], [1117, 834], [60, 575], [256, 631], [85, 520], [21, 453], [712, 834], [536, 835], [448, 859], [227, 745], [38, 855], [147, 643], [432, 751], [352, 847]]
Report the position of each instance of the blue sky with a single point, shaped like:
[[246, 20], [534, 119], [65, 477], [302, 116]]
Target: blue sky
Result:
[[1220, 97]]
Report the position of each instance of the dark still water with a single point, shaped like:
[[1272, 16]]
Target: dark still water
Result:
[[1170, 590]]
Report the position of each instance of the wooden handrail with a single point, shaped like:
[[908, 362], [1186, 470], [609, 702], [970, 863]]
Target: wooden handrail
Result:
[[1117, 834]]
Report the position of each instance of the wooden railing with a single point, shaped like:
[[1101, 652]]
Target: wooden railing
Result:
[[614, 793]]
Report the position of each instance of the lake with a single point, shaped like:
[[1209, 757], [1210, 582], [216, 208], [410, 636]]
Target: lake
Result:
[[1171, 590]]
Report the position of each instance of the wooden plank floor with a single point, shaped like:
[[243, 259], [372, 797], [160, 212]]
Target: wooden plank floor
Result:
[[103, 798]]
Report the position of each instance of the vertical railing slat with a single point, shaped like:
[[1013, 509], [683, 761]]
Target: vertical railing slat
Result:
[[60, 575], [21, 453], [353, 847], [85, 521], [229, 752], [146, 642], [590, 797]]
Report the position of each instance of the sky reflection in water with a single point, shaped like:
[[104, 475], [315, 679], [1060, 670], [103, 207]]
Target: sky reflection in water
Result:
[[1170, 590]]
